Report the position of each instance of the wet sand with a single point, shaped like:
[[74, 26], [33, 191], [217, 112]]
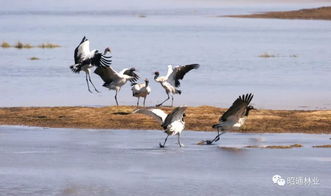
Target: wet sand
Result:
[[198, 119], [321, 13]]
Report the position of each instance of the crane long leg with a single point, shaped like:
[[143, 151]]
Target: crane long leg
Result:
[[216, 138], [116, 98], [179, 143], [138, 101], [144, 101], [89, 77], [158, 105], [162, 146], [88, 86]]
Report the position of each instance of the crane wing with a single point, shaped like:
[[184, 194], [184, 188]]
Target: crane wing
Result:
[[169, 71], [107, 74], [179, 72], [157, 114], [100, 60], [82, 50], [238, 108], [131, 72], [175, 115]]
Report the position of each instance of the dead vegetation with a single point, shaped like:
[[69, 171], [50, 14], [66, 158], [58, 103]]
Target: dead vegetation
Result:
[[20, 45], [48, 45], [322, 146], [34, 58], [277, 146], [197, 118], [5, 45], [284, 146], [321, 13]]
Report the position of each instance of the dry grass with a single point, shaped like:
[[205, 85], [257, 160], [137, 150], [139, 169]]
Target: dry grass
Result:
[[254, 146], [266, 55], [322, 146], [20, 45], [284, 146], [197, 118], [322, 13], [5, 45], [277, 146], [48, 45], [34, 58]]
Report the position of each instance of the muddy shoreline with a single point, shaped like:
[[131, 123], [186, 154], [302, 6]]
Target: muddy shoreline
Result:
[[321, 13]]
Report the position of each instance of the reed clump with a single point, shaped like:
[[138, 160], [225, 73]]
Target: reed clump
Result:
[[277, 146], [48, 45], [5, 45], [34, 58], [21, 45], [285, 146]]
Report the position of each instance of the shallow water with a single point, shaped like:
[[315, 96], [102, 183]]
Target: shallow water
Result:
[[42, 161], [177, 33]]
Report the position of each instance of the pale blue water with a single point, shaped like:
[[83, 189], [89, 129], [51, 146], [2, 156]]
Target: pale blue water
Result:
[[38, 161], [173, 32]]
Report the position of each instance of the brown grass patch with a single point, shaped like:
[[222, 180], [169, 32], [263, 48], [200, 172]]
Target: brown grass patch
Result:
[[5, 45], [20, 45], [197, 118], [276, 146], [284, 146], [322, 146], [253, 146], [34, 58], [48, 45], [322, 13]]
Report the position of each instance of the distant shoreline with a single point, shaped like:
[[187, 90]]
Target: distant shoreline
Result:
[[321, 13], [197, 118]]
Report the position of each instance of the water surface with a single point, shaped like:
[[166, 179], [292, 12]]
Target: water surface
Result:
[[39, 161], [171, 33]]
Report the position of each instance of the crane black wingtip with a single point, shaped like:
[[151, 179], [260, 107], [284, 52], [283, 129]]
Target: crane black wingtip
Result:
[[194, 66], [247, 98]]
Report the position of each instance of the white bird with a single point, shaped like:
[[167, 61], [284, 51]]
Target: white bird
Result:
[[234, 117], [170, 82], [173, 123], [115, 80], [141, 90], [86, 59]]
